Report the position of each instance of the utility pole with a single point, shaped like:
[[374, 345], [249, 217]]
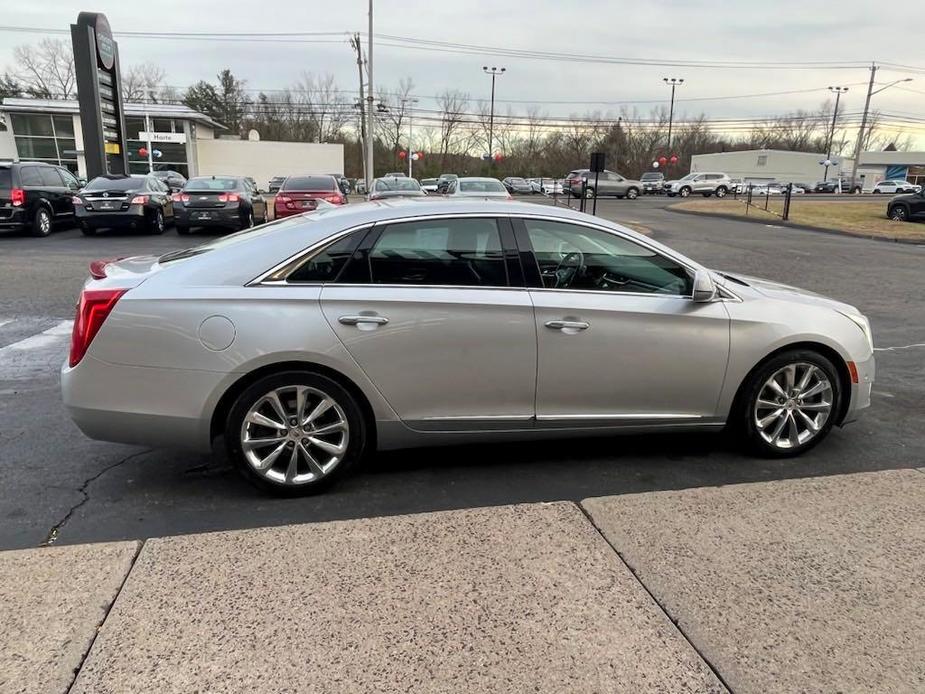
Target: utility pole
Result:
[[370, 128], [355, 42], [838, 91], [410, 116], [860, 141], [674, 83], [494, 72]]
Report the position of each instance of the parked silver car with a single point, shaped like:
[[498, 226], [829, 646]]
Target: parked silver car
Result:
[[306, 342], [477, 187], [705, 183], [607, 182]]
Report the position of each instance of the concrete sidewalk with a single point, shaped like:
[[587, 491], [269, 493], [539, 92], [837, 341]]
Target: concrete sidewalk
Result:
[[801, 585]]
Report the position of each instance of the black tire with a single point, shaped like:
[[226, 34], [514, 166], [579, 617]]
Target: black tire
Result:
[[632, 193], [684, 192], [156, 224], [87, 230], [182, 229], [876, 191], [589, 193], [248, 221], [41, 222], [898, 213], [356, 444], [721, 192], [745, 423]]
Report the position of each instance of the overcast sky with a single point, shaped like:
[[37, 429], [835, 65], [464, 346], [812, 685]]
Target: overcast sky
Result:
[[738, 30]]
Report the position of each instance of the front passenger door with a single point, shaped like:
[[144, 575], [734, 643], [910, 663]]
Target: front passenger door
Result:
[[435, 313], [619, 340]]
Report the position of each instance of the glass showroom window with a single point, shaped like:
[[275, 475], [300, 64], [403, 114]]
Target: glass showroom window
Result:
[[44, 137], [173, 154]]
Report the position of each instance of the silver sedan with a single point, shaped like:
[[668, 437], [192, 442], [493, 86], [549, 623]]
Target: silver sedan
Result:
[[306, 343]]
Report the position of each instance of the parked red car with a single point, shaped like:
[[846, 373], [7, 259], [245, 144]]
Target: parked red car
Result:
[[300, 194]]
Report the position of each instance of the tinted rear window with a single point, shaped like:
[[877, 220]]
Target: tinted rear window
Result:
[[210, 183], [309, 183], [384, 184], [482, 187], [5, 179], [101, 183]]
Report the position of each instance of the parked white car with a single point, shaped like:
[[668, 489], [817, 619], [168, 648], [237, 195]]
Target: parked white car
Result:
[[552, 186], [705, 183], [896, 187]]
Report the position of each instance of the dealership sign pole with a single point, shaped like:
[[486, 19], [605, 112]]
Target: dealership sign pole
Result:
[[99, 92]]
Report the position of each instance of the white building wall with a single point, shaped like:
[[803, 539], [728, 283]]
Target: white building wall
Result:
[[771, 165], [263, 160]]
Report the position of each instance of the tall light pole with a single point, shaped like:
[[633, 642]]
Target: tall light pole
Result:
[[410, 131], [674, 83], [860, 141], [494, 72], [370, 131], [838, 91]]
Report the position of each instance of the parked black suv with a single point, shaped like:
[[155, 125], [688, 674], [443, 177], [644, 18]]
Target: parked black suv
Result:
[[35, 196], [907, 208], [831, 185], [124, 202]]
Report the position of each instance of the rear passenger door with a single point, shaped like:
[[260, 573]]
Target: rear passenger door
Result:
[[435, 313], [56, 191]]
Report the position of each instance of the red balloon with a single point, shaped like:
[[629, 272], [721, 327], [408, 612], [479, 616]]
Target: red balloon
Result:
[[402, 154], [663, 160], [143, 151], [674, 159], [420, 155], [497, 157]]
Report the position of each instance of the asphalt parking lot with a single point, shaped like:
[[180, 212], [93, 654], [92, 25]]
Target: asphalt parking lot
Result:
[[54, 483]]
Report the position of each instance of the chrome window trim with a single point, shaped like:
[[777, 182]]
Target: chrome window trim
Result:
[[297, 258], [634, 415]]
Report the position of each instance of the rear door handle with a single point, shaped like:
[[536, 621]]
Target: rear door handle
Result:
[[567, 325], [357, 320]]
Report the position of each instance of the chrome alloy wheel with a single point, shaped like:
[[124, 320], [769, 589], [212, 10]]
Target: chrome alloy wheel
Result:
[[294, 435], [793, 405]]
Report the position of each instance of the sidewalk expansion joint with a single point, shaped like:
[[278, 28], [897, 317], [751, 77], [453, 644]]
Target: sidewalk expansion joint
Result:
[[658, 602], [96, 633], [55, 530]]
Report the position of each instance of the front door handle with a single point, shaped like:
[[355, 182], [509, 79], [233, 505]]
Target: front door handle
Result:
[[566, 325], [357, 320]]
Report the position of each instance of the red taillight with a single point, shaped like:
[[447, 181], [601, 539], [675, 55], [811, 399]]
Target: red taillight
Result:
[[335, 198], [228, 197], [93, 308], [180, 197], [140, 200], [77, 201], [18, 197]]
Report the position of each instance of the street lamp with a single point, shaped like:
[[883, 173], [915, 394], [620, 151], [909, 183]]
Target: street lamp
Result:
[[870, 93], [674, 83], [410, 114], [494, 72], [838, 91]]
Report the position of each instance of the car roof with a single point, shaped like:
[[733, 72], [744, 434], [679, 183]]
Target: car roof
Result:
[[477, 178]]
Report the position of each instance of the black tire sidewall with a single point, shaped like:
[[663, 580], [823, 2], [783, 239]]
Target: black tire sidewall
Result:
[[153, 226], [36, 226], [356, 421], [745, 402]]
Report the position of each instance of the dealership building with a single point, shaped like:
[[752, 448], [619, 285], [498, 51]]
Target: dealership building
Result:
[[766, 165], [188, 141]]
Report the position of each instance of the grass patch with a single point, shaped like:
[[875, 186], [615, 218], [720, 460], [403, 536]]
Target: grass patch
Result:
[[862, 218]]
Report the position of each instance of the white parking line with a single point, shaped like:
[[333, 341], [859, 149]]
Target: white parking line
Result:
[[43, 339], [5, 321], [894, 349]]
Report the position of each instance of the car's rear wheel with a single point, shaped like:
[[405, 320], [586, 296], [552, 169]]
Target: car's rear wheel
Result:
[[789, 403], [899, 213], [156, 224], [41, 222], [87, 230], [632, 193], [876, 191], [295, 433], [248, 220], [589, 193]]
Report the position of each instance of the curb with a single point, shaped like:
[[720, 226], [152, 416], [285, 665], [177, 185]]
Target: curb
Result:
[[799, 227]]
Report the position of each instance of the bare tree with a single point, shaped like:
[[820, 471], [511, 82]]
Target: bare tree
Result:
[[143, 81], [46, 70], [393, 122], [323, 104], [452, 104]]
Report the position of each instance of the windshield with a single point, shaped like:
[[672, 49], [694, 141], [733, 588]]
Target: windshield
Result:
[[212, 183], [103, 183], [383, 184], [517, 180], [310, 183], [482, 186], [651, 176]]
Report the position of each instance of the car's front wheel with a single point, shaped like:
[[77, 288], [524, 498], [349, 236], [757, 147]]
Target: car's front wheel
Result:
[[721, 192], [295, 433], [899, 213], [632, 193], [789, 403], [684, 192]]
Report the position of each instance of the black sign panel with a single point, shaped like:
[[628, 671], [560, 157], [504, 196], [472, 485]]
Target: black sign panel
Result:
[[598, 161], [99, 91]]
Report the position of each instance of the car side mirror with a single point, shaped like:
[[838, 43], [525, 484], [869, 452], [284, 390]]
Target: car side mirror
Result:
[[704, 288]]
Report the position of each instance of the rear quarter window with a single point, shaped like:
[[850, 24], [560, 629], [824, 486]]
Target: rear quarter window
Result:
[[6, 178], [30, 175]]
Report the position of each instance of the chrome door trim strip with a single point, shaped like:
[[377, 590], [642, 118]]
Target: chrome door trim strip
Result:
[[470, 417], [622, 416]]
